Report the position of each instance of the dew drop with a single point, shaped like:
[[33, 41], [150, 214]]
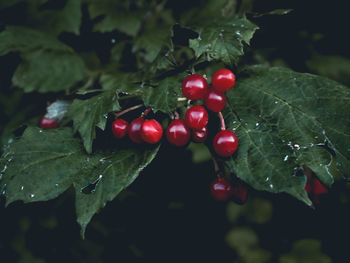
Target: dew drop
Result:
[[297, 147], [32, 195], [22, 187], [56, 185], [286, 158], [276, 102], [221, 35], [113, 40], [40, 131], [267, 179], [271, 186], [105, 116]]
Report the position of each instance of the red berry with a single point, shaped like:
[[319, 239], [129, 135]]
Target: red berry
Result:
[[239, 193], [221, 189], [48, 123], [196, 117], [225, 143], [215, 101], [223, 80], [194, 87], [151, 131], [178, 133], [120, 128], [134, 130], [200, 135]]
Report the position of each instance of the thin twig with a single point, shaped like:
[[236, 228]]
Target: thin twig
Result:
[[117, 115]]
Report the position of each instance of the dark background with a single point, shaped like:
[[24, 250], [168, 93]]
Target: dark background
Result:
[[168, 215]]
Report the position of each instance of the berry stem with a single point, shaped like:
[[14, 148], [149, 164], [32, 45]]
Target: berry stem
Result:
[[222, 121], [177, 116], [117, 115], [145, 113]]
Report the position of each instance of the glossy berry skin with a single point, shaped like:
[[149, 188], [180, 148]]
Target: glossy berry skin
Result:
[[196, 117], [151, 131], [215, 101], [48, 123], [221, 189], [194, 87], [200, 135], [225, 143], [223, 80], [134, 130], [119, 128], [178, 133]]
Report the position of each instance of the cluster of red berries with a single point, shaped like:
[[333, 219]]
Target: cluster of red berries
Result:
[[194, 87]]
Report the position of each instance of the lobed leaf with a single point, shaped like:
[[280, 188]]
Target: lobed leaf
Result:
[[223, 40], [42, 164], [91, 113], [285, 120]]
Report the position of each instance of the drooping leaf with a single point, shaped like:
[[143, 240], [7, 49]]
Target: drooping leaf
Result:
[[91, 113], [42, 164], [285, 120], [164, 95], [46, 71], [223, 40], [115, 15]]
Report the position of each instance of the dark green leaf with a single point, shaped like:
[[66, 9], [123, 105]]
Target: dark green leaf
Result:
[[45, 163], [48, 65], [164, 96], [223, 40], [126, 83], [87, 114], [284, 120], [115, 15], [24, 40], [46, 71], [55, 22], [152, 41]]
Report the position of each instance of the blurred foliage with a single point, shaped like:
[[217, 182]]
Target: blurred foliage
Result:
[[166, 216]]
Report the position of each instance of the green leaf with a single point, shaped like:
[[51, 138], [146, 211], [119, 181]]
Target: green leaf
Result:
[[152, 41], [46, 71], [223, 40], [24, 40], [115, 15], [55, 22], [163, 96], [42, 164], [284, 120], [48, 65], [91, 113], [126, 83]]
